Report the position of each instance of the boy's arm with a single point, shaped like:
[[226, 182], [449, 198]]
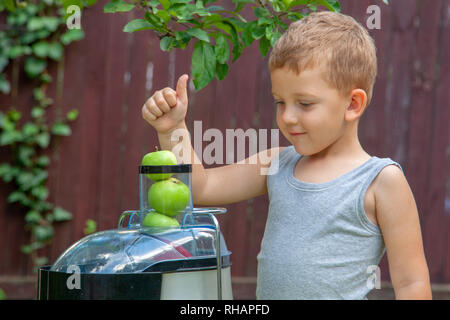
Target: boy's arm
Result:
[[166, 110], [225, 184], [398, 219]]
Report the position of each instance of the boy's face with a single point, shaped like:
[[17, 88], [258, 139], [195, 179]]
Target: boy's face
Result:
[[307, 104]]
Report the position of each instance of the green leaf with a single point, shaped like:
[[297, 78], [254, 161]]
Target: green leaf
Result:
[[43, 139], [9, 137], [15, 51], [165, 4], [9, 4], [43, 233], [198, 33], [61, 129], [221, 71], [8, 173], [166, 43], [264, 45], [14, 115], [294, 16], [24, 180], [46, 78], [261, 12], [237, 47], [30, 129], [258, 31], [222, 49], [5, 86], [60, 214], [137, 24], [117, 6], [37, 112], [26, 249], [34, 66], [25, 153], [51, 23], [4, 169], [330, 4], [155, 21], [43, 161], [55, 51], [38, 93], [40, 192], [17, 196], [91, 227], [164, 15], [40, 261], [203, 64], [33, 217], [72, 35], [72, 115], [247, 36]]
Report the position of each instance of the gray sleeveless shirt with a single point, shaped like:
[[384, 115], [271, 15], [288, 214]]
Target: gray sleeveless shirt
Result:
[[318, 242]]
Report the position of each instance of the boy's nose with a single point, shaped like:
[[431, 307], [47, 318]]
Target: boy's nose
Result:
[[289, 115]]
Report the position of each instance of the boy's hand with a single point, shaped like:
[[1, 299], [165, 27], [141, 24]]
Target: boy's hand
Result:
[[166, 109]]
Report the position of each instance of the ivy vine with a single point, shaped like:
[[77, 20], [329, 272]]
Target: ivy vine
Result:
[[34, 37]]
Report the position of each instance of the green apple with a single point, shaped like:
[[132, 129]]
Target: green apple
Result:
[[169, 196], [159, 158], [156, 219]]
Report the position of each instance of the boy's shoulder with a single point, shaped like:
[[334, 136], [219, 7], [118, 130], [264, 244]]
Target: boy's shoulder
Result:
[[390, 184]]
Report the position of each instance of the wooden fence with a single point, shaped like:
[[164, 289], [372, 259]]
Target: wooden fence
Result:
[[110, 74]]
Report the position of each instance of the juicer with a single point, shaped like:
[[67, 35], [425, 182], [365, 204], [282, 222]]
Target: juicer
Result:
[[136, 261]]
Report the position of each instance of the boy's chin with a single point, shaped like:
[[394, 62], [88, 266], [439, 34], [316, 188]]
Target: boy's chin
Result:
[[304, 151]]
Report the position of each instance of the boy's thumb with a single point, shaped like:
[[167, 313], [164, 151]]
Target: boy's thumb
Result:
[[182, 88]]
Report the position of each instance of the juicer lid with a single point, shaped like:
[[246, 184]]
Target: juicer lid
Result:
[[176, 168], [140, 249]]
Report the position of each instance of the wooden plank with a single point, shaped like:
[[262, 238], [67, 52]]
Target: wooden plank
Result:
[[113, 101], [55, 113], [243, 111], [437, 226], [265, 113], [372, 124], [76, 170], [136, 128], [421, 126], [5, 189], [17, 262]]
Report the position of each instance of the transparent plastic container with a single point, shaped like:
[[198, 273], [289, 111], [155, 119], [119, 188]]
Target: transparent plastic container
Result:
[[166, 189]]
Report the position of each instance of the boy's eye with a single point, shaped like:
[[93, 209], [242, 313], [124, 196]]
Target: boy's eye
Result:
[[305, 104], [278, 102]]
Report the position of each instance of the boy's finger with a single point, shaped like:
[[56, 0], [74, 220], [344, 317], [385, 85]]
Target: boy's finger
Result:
[[147, 115], [154, 109], [171, 97], [161, 102], [182, 88]]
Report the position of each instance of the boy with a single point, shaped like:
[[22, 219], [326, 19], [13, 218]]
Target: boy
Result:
[[334, 209]]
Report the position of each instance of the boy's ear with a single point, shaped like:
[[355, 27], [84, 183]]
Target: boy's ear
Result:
[[358, 102]]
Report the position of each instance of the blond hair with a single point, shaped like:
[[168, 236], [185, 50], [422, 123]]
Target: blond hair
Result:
[[334, 40]]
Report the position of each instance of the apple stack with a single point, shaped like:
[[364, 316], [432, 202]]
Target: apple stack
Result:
[[168, 196]]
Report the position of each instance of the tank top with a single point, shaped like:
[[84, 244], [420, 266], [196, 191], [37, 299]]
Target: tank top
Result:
[[318, 242]]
